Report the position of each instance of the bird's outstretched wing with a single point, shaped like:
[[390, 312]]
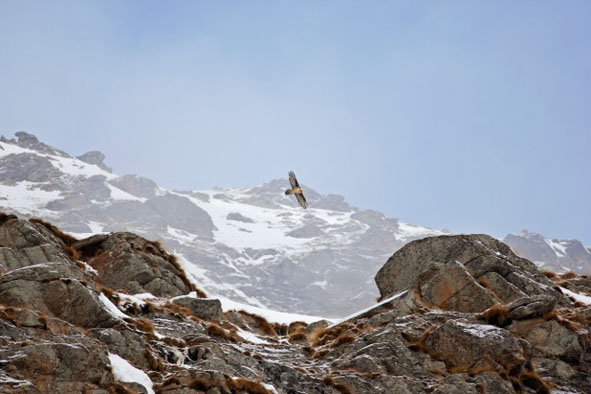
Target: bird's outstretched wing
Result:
[[302, 200], [293, 180]]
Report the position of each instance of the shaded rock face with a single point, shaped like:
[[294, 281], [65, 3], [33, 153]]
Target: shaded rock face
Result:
[[467, 273], [26, 167]]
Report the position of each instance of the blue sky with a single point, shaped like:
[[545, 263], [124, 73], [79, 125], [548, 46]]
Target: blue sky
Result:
[[472, 116]]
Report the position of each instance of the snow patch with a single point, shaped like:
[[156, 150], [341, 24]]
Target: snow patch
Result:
[[113, 310], [123, 371], [269, 315], [406, 231], [481, 330], [118, 194], [321, 284], [361, 312], [559, 249], [250, 337], [585, 299], [26, 197]]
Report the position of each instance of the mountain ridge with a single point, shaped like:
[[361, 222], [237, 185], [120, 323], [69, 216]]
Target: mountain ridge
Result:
[[253, 245]]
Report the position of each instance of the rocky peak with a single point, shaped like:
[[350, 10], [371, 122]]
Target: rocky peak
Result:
[[25, 138], [30, 141], [552, 254], [96, 158]]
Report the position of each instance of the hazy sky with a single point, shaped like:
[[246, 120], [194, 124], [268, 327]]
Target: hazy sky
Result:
[[472, 116]]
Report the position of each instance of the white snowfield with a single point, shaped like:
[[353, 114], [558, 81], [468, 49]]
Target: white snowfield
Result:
[[123, 371]]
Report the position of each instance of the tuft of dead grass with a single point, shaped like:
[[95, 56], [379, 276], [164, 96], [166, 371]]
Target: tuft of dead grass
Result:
[[202, 383], [219, 332], [65, 238], [260, 323], [497, 315], [117, 388], [234, 385], [549, 274], [154, 361], [568, 275], [6, 217], [237, 385], [343, 339], [340, 387], [531, 379]]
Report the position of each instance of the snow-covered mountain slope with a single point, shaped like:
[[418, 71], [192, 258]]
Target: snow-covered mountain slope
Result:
[[552, 254], [252, 245]]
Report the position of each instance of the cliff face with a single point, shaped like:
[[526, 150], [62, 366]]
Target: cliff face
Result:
[[116, 313]]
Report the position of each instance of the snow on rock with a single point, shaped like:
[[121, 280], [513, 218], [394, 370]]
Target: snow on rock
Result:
[[123, 371], [26, 197], [408, 231], [250, 337], [585, 299], [113, 310], [481, 330], [361, 312], [269, 315]]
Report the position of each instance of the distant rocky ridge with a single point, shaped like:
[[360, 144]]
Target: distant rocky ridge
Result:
[[116, 313], [551, 254], [254, 245]]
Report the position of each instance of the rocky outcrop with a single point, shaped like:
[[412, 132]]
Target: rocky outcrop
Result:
[[96, 158], [116, 313], [466, 273]]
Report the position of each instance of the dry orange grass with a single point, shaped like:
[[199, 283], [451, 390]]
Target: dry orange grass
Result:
[[530, 378], [155, 362], [568, 275], [549, 274], [237, 385], [217, 331], [297, 337], [343, 339], [260, 323], [117, 388], [71, 252], [65, 238], [497, 315], [340, 387], [143, 325], [202, 383]]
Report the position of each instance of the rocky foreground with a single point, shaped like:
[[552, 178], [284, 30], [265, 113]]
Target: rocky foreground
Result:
[[116, 314]]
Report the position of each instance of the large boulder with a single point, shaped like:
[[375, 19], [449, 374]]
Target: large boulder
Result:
[[204, 308], [464, 272]]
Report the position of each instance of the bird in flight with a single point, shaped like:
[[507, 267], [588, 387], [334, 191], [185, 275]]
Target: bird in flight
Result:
[[296, 190]]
